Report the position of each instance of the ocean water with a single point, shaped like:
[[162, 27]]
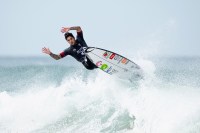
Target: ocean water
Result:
[[41, 95]]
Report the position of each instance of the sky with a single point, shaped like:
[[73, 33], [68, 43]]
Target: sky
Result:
[[128, 27]]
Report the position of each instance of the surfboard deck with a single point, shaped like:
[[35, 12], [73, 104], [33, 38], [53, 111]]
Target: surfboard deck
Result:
[[113, 63]]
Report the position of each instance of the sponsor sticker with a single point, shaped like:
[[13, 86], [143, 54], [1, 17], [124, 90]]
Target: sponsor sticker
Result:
[[127, 62], [99, 63], [116, 57], [104, 66], [124, 61], [108, 69], [113, 71], [119, 59], [112, 56], [107, 54]]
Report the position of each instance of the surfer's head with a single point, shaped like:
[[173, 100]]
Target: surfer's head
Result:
[[70, 38]]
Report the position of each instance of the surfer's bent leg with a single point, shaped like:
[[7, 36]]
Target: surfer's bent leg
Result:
[[89, 65]]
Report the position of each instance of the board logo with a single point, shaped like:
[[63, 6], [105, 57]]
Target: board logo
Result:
[[99, 63], [106, 68], [112, 56], [116, 57], [124, 61], [107, 54]]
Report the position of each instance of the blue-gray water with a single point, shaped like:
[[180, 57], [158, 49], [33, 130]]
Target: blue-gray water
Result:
[[41, 95]]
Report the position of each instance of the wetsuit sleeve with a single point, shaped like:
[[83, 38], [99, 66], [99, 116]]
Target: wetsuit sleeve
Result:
[[81, 39], [80, 35], [65, 52]]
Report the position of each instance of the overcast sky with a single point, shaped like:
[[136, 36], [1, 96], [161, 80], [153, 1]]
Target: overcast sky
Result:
[[128, 27]]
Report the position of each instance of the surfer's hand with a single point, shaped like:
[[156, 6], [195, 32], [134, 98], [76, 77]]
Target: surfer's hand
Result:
[[65, 29], [46, 50]]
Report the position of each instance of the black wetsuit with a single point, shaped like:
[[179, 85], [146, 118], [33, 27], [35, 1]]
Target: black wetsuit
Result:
[[77, 51]]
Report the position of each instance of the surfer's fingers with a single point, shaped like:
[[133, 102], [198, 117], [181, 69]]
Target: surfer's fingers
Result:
[[44, 48], [63, 29]]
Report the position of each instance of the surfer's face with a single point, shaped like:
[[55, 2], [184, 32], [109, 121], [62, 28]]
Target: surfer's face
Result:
[[71, 40]]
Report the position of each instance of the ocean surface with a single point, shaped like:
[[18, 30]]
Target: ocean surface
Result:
[[41, 95]]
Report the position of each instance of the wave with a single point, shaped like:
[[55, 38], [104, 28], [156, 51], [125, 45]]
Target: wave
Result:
[[69, 99]]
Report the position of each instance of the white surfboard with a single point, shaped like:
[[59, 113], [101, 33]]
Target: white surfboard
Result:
[[113, 63]]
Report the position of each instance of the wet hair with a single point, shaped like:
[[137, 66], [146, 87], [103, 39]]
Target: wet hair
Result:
[[67, 34]]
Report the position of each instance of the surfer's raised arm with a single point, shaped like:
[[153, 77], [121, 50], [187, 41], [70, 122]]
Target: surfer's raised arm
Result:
[[47, 51], [66, 29]]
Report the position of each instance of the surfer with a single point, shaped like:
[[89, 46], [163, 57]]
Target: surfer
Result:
[[76, 48]]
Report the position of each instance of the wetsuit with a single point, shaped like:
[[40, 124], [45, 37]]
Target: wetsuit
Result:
[[77, 51]]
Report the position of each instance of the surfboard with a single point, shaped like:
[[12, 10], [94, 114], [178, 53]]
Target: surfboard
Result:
[[113, 63]]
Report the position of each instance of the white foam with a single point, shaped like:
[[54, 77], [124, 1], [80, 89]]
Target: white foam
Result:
[[99, 101]]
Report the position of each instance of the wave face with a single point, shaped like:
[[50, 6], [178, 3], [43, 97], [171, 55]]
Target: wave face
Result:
[[40, 95]]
